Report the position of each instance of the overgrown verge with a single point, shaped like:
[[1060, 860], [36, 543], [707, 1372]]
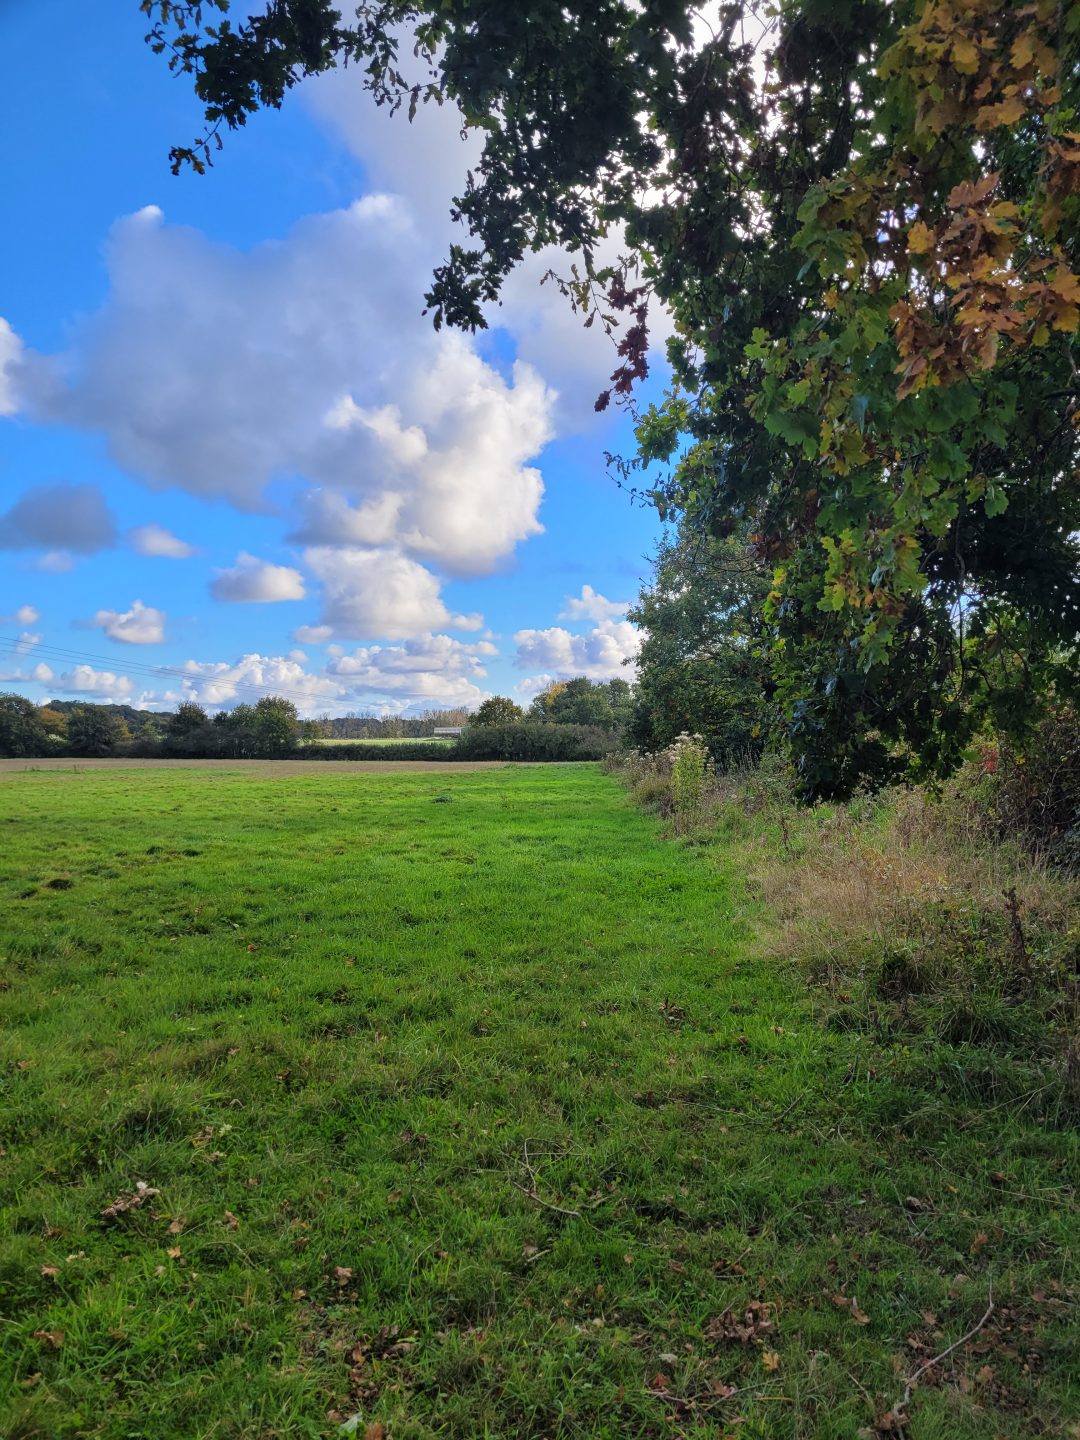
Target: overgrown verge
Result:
[[947, 929]]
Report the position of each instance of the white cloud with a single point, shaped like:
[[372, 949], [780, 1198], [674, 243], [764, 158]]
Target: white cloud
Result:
[[141, 625], [307, 359], [39, 675], [58, 518], [55, 562], [217, 683], [10, 353], [592, 606], [424, 164], [435, 668], [313, 634], [85, 680], [255, 581], [156, 540], [380, 592], [533, 685], [24, 615], [599, 655], [26, 642]]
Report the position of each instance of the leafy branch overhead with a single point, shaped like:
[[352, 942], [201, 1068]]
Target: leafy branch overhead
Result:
[[862, 218]]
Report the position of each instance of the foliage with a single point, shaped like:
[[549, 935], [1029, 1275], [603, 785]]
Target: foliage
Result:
[[1034, 793], [689, 768], [497, 710], [188, 719], [606, 704], [276, 725], [22, 731], [703, 666], [54, 721], [869, 250], [380, 750], [534, 741], [468, 1117], [93, 730], [391, 727]]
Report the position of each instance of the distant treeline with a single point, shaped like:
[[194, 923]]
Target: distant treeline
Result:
[[272, 729], [390, 727]]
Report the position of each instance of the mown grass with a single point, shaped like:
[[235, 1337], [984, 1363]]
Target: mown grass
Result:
[[476, 1108]]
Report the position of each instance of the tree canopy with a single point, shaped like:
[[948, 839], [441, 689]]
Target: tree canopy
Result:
[[862, 220]]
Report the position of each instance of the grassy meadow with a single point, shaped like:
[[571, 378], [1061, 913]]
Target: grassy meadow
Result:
[[467, 1105]]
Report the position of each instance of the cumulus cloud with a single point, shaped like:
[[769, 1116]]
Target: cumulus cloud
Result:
[[307, 358], [424, 164], [58, 518], [39, 675], [10, 353], [258, 582], [141, 625], [24, 615], [380, 592], [85, 680], [590, 605], [601, 654], [219, 682], [26, 642], [435, 668], [156, 540]]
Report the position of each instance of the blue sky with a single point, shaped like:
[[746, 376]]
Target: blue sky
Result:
[[231, 445]]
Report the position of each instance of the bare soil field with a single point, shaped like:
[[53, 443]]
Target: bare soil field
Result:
[[267, 769]]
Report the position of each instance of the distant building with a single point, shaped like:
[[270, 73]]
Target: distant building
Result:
[[447, 730]]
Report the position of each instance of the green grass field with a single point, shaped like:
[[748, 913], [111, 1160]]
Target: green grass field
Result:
[[467, 1108]]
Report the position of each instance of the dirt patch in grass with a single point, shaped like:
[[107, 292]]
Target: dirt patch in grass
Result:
[[262, 769]]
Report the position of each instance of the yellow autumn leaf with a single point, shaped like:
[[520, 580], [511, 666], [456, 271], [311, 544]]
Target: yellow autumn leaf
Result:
[[965, 56], [1065, 284], [920, 239], [1067, 320], [1023, 50]]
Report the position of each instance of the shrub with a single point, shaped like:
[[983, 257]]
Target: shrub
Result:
[[689, 768], [534, 741], [358, 750]]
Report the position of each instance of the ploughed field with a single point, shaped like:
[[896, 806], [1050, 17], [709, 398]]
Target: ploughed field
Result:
[[461, 1104]]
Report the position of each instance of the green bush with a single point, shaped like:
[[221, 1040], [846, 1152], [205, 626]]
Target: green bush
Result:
[[534, 741], [358, 750]]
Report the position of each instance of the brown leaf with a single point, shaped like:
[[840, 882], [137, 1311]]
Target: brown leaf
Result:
[[174, 1252], [50, 1271], [55, 1338], [231, 1220], [771, 1360], [980, 1240], [342, 1274], [130, 1200], [176, 1226], [375, 1431]]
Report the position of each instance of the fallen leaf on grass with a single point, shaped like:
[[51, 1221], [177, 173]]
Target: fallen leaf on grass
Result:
[[130, 1200], [771, 1360], [174, 1252], [231, 1220], [55, 1338], [177, 1225], [980, 1240], [755, 1323], [342, 1275], [50, 1271]]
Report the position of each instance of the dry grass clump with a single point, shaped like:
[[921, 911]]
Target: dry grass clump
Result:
[[912, 913]]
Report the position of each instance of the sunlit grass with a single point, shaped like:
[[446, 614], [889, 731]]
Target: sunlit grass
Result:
[[473, 1110]]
